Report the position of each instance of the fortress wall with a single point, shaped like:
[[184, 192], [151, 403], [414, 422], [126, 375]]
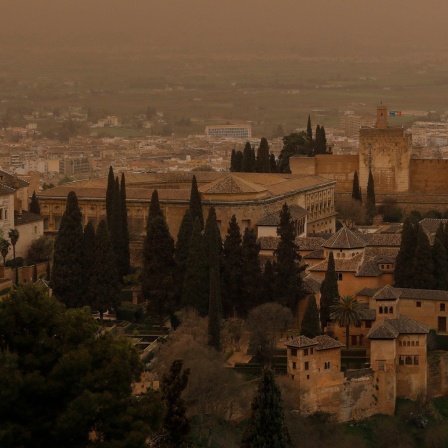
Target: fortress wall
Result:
[[303, 165], [340, 168], [438, 374], [428, 176]]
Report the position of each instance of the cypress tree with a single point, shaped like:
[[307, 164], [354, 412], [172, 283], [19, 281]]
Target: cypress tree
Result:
[[238, 161], [440, 261], [34, 273], [287, 286], [196, 203], [158, 264], [126, 253], [110, 192], [272, 163], [323, 139], [318, 141], [403, 270], [34, 204], [309, 132], [253, 161], [328, 292], [233, 161], [68, 276], [356, 190], [214, 320], [212, 241], [370, 201], [422, 265], [231, 268], [88, 246], [154, 207], [262, 162], [310, 324], [176, 423], [251, 294], [182, 251], [248, 163], [116, 230], [103, 283], [268, 282], [266, 426], [194, 294]]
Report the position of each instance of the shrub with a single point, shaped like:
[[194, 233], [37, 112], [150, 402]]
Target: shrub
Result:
[[19, 261], [130, 312], [41, 249]]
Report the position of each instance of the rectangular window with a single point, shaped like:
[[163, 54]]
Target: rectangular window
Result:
[[381, 366], [311, 351], [306, 366], [305, 352], [327, 365], [401, 360], [442, 307], [294, 365], [1, 213], [6, 214], [418, 304], [415, 360], [293, 352]]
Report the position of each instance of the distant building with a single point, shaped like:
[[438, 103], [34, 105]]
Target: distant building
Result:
[[236, 131]]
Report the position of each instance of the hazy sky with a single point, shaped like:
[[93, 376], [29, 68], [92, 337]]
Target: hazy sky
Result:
[[227, 25]]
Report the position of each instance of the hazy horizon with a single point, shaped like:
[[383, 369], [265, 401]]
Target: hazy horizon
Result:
[[311, 27]]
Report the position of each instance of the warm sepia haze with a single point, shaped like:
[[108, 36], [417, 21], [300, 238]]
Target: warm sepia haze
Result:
[[261, 26], [263, 61]]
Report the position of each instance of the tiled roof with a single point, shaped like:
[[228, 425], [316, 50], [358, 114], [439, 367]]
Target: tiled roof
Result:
[[366, 313], [409, 293], [341, 264], [231, 184], [391, 328], [5, 190], [309, 242], [369, 292], [26, 217], [318, 254], [369, 269], [326, 342], [344, 239], [431, 225], [387, 293], [312, 284], [301, 342], [381, 239], [273, 219], [382, 252], [12, 180], [268, 242]]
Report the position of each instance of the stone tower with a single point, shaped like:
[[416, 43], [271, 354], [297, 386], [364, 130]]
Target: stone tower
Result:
[[386, 150]]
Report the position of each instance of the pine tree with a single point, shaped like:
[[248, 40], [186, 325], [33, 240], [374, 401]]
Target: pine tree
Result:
[[251, 294], [154, 207], [231, 268], [196, 203], [309, 132], [422, 265], [266, 426], [356, 190], [194, 294], [403, 269], [182, 251], [268, 282], [370, 201], [440, 261], [125, 262], [103, 283], [34, 204], [262, 162], [214, 320], [310, 322], [110, 192], [68, 276], [328, 292], [272, 163], [176, 423], [158, 264], [287, 286]]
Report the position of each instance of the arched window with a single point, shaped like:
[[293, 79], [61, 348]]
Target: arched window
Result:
[[391, 310], [386, 310], [408, 360], [381, 310]]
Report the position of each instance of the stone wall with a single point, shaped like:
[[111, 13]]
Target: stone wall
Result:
[[437, 374], [428, 176]]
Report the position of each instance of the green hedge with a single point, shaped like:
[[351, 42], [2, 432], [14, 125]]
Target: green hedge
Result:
[[130, 312]]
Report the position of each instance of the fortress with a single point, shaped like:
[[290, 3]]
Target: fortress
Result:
[[398, 173]]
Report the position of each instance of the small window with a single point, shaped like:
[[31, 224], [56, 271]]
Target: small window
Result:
[[306, 366], [400, 343], [442, 307], [417, 343], [415, 360], [418, 304], [413, 344], [380, 310], [339, 276], [408, 360], [327, 365], [293, 352], [401, 361], [292, 377], [294, 365], [311, 351], [307, 377], [381, 367], [6, 214], [1, 213], [305, 352], [386, 310], [391, 310]]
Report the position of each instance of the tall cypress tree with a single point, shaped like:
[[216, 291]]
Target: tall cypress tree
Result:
[[238, 161], [318, 141], [194, 294], [182, 251], [370, 201], [248, 163], [403, 268], [231, 269], [287, 267], [88, 245], [310, 323], [34, 204], [356, 190], [309, 132], [126, 253], [262, 162], [68, 276], [196, 203], [212, 241], [154, 207], [116, 230], [422, 265], [103, 284], [268, 282], [328, 292], [251, 294], [440, 261], [110, 195], [233, 160], [266, 426], [158, 264], [214, 320], [272, 163]]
